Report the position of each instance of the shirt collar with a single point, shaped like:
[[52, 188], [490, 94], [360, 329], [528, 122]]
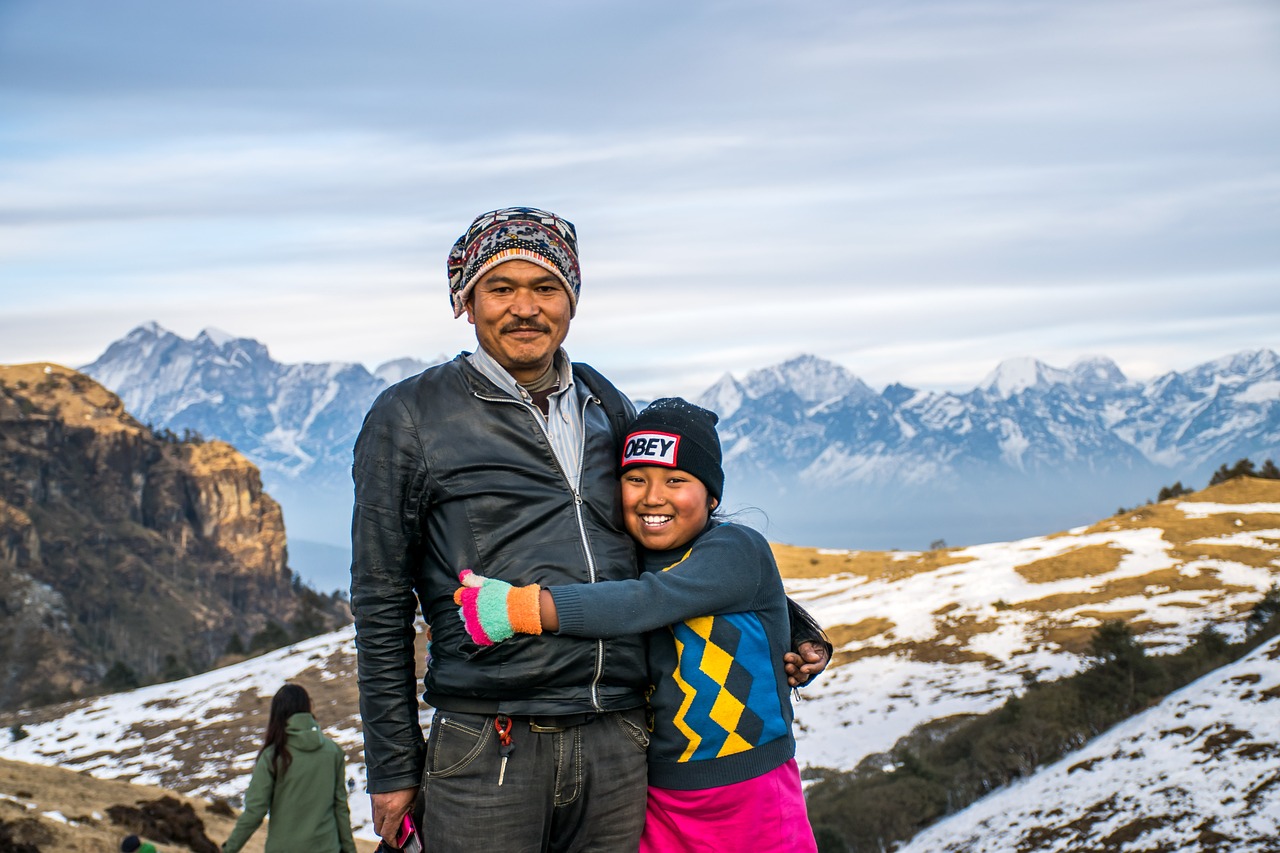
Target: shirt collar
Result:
[[487, 365]]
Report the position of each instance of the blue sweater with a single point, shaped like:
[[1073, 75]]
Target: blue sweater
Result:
[[716, 614]]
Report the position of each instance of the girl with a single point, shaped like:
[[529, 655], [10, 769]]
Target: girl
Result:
[[722, 772], [300, 778]]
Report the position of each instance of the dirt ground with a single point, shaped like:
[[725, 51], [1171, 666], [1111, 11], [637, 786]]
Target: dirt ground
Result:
[[59, 810]]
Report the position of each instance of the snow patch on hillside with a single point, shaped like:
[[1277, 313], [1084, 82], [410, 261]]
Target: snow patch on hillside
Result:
[[1200, 766]]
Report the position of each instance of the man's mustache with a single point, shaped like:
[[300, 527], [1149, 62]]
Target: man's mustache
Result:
[[525, 326]]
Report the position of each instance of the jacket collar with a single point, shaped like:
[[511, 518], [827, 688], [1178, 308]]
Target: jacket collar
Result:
[[500, 380]]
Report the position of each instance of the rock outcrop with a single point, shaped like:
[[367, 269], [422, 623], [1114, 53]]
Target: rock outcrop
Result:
[[124, 548]]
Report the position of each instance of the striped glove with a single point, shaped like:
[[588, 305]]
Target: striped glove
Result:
[[494, 610]]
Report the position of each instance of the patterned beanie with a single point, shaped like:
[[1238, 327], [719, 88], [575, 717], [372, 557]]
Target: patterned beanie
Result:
[[514, 234], [674, 433]]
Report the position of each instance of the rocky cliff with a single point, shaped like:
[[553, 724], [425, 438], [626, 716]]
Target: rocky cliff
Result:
[[125, 551]]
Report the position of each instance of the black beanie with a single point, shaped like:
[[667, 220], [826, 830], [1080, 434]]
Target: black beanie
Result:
[[130, 843], [674, 433]]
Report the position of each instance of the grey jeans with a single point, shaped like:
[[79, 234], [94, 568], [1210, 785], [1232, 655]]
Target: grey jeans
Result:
[[564, 790]]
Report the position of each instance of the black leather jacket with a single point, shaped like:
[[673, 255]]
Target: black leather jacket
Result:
[[452, 473]]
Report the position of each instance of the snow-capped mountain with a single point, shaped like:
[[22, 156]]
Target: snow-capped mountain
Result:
[[918, 637], [297, 422], [1030, 442], [290, 418], [1025, 416], [828, 459]]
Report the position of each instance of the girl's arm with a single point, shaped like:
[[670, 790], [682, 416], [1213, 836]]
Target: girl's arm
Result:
[[722, 573]]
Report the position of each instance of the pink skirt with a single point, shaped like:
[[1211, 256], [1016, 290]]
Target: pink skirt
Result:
[[763, 814]]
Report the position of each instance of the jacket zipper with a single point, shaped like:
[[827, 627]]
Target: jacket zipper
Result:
[[576, 490], [586, 547]]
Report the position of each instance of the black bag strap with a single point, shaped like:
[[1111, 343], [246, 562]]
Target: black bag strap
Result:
[[616, 406]]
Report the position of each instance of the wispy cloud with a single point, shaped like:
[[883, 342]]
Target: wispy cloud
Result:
[[914, 189]]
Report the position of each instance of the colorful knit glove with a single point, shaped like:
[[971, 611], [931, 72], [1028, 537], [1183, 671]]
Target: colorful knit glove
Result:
[[494, 610]]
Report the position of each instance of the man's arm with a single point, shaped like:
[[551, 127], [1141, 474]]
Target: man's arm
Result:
[[387, 473]]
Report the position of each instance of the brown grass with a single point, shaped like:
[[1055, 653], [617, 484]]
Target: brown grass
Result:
[[78, 796], [73, 396], [842, 635], [1071, 638], [1121, 587], [1178, 529], [1258, 558], [930, 652], [1083, 562], [949, 646], [796, 562], [1127, 616]]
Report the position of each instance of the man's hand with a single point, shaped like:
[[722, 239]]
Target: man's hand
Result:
[[803, 667], [389, 810]]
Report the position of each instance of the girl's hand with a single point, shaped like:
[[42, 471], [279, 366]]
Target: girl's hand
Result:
[[494, 610]]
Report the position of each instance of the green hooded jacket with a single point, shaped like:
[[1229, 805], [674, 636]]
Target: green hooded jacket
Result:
[[308, 803]]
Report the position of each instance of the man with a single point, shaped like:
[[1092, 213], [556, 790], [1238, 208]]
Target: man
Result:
[[502, 461]]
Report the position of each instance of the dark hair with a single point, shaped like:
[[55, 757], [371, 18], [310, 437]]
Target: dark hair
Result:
[[289, 700]]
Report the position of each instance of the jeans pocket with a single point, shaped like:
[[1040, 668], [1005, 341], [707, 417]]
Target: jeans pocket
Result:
[[633, 729], [454, 743]]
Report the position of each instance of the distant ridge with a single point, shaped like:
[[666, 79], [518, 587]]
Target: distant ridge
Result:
[[826, 458]]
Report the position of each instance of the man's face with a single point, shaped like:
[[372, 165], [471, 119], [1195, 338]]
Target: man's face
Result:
[[521, 314]]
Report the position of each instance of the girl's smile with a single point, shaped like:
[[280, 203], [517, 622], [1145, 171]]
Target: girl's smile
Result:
[[664, 508]]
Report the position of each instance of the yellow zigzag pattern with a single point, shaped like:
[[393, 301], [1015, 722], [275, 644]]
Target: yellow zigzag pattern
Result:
[[727, 709]]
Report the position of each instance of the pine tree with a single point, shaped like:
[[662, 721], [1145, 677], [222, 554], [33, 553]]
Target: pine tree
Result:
[[235, 646], [1266, 609], [119, 677], [1242, 468]]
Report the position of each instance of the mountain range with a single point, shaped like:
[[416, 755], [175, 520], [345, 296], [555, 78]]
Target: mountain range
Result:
[[824, 457], [297, 422], [920, 637], [1031, 446]]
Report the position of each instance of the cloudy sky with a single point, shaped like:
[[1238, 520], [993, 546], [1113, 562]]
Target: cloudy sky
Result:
[[916, 190]]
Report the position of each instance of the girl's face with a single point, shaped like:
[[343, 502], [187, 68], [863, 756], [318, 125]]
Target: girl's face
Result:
[[664, 508]]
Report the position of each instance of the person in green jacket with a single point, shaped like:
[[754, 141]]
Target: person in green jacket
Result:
[[300, 780]]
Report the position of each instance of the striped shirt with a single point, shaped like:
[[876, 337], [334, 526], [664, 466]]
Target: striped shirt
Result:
[[563, 422]]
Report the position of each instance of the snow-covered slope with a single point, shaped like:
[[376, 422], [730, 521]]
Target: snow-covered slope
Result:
[[1200, 772], [201, 735], [918, 636], [923, 636]]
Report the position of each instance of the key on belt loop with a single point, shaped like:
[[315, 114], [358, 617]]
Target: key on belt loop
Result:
[[553, 723], [534, 727]]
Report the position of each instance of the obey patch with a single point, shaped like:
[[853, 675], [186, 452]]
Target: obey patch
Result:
[[651, 448]]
